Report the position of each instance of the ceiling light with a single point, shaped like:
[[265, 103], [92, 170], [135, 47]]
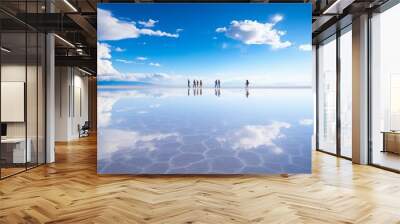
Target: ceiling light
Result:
[[70, 5], [337, 7], [86, 72], [5, 50], [64, 40]]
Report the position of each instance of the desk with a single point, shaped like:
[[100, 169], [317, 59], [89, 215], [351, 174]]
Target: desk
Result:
[[391, 141], [19, 155]]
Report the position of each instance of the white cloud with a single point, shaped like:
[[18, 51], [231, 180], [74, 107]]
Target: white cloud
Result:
[[158, 33], [305, 47], [149, 23], [179, 30], [221, 30], [141, 58], [124, 61], [103, 51], [277, 18], [118, 49], [306, 122], [111, 28], [155, 64], [253, 32], [105, 69], [253, 136]]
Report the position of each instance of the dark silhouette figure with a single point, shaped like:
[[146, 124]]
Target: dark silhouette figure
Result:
[[219, 83], [247, 83], [201, 84], [201, 91], [194, 83], [217, 92], [188, 91], [216, 84], [188, 83]]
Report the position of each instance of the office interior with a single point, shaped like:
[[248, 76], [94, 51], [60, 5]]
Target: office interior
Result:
[[48, 79], [48, 106], [44, 98]]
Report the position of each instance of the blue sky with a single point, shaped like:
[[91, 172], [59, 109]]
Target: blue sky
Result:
[[269, 44]]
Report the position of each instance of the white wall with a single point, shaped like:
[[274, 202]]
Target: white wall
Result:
[[71, 87]]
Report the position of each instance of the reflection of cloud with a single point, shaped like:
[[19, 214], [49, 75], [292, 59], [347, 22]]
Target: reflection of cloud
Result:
[[107, 99], [253, 32], [142, 112], [254, 136], [155, 105], [104, 109], [112, 140], [306, 122], [112, 28]]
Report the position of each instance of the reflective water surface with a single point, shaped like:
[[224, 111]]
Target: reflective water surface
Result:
[[204, 131]]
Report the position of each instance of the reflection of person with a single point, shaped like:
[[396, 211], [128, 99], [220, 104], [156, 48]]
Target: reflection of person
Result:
[[188, 91], [201, 92], [217, 92], [247, 93]]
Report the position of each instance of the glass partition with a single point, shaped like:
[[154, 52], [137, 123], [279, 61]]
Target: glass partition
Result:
[[31, 99], [41, 97], [23, 90], [346, 93], [327, 95], [385, 89], [13, 108]]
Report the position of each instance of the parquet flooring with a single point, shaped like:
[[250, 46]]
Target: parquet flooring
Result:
[[70, 191]]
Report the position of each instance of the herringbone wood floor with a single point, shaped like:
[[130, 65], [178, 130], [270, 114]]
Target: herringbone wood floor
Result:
[[70, 191]]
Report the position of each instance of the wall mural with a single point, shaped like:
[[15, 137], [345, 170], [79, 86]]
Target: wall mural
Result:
[[204, 88]]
